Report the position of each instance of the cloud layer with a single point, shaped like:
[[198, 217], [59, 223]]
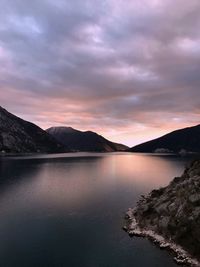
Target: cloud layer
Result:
[[129, 70]]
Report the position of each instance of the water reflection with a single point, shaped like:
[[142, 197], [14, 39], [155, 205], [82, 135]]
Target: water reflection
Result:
[[63, 211], [69, 181]]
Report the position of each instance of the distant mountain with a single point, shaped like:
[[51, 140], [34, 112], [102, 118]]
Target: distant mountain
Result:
[[17, 135], [179, 141], [76, 140]]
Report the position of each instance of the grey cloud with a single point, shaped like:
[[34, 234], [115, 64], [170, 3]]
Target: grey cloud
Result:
[[114, 60]]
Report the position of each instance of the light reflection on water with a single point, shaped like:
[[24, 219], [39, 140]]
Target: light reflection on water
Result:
[[60, 210]]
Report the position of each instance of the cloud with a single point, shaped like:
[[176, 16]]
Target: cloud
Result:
[[117, 67]]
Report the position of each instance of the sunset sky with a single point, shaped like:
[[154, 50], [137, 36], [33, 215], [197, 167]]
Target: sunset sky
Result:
[[129, 70]]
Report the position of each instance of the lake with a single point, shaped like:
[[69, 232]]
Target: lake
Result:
[[67, 210]]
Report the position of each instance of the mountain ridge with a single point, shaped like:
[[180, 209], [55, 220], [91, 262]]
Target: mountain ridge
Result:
[[89, 141], [20, 136], [178, 141]]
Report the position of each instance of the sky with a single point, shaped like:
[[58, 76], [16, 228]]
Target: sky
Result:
[[129, 70]]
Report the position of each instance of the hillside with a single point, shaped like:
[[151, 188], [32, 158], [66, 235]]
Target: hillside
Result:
[[76, 140], [170, 216], [19, 136], [179, 141]]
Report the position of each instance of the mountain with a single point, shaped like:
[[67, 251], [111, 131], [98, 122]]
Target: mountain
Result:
[[17, 135], [76, 140], [179, 141], [170, 216]]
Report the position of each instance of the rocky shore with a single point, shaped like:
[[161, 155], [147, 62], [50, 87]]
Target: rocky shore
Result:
[[170, 217]]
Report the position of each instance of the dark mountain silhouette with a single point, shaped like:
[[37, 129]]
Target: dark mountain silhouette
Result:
[[179, 141], [19, 136], [76, 140]]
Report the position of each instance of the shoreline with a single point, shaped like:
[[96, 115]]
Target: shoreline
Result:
[[181, 256]]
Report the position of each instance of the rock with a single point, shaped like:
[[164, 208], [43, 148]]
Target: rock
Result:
[[174, 213], [161, 207], [163, 223], [194, 198]]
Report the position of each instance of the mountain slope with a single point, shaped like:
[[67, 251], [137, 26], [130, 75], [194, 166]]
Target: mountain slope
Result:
[[17, 135], [83, 141], [187, 139], [170, 216]]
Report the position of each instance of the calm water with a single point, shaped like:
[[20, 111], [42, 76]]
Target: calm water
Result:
[[67, 210]]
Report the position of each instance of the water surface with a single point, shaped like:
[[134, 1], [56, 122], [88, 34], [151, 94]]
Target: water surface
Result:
[[67, 210]]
